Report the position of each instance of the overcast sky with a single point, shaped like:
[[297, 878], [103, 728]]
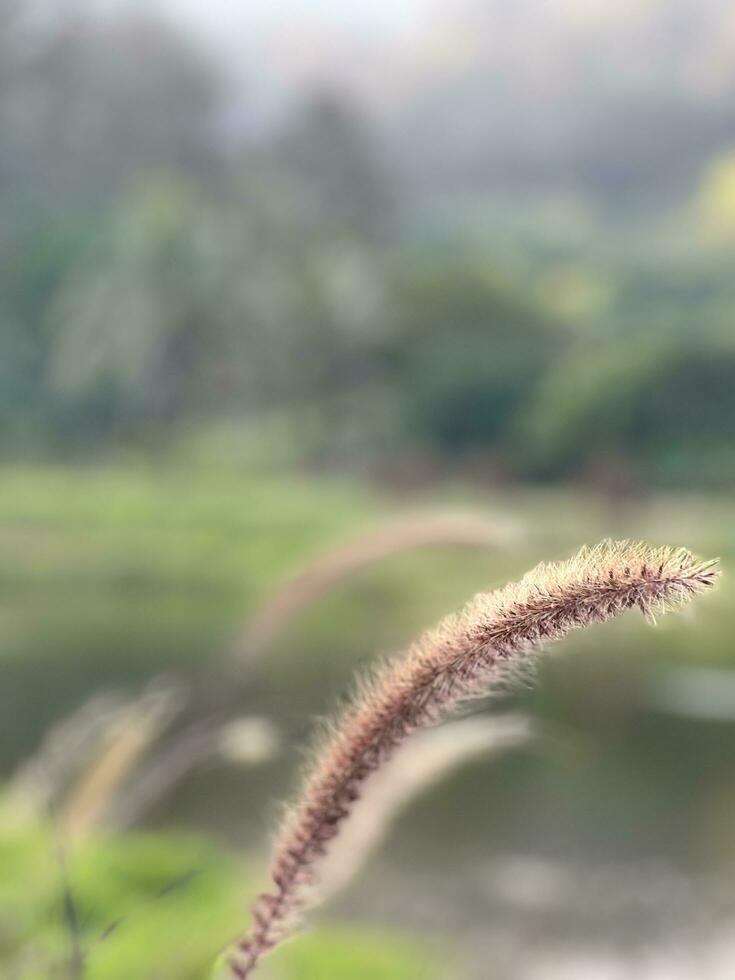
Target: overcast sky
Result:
[[221, 17]]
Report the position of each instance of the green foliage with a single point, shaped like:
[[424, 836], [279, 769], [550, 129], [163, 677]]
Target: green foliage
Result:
[[155, 907], [468, 355], [353, 954], [144, 907], [667, 405]]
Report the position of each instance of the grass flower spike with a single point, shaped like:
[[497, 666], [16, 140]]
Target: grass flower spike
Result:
[[496, 636]]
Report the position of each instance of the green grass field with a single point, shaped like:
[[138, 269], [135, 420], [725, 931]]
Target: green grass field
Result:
[[109, 575]]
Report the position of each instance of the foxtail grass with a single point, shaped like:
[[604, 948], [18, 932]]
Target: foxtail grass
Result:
[[241, 742], [125, 743], [494, 638], [66, 748], [340, 563]]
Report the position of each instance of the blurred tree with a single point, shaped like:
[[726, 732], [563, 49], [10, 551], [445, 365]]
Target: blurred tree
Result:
[[194, 307], [94, 104], [467, 355], [89, 106], [336, 179], [668, 404]]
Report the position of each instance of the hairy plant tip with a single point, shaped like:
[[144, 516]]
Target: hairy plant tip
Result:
[[493, 638]]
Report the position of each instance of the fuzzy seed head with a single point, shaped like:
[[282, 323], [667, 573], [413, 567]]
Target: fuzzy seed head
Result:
[[466, 656]]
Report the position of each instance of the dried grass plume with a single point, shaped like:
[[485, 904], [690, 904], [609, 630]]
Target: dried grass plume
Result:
[[494, 637]]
